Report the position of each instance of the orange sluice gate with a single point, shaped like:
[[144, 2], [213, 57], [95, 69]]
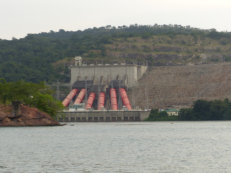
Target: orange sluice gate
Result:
[[125, 99], [69, 97], [80, 97], [101, 100], [114, 105], [90, 100]]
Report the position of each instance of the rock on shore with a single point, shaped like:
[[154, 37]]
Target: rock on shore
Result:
[[26, 116]]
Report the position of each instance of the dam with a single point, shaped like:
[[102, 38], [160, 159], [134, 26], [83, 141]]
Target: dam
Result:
[[128, 73], [99, 93]]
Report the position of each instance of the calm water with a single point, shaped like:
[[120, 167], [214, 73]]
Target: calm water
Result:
[[118, 147]]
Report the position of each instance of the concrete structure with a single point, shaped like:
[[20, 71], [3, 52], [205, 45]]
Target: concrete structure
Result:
[[129, 73], [103, 85], [172, 112], [102, 116]]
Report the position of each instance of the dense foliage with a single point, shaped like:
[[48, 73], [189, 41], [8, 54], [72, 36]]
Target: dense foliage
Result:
[[46, 56], [202, 110], [156, 115], [207, 110], [35, 95]]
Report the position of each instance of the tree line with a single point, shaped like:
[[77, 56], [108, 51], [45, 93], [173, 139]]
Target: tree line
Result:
[[202, 110], [207, 110]]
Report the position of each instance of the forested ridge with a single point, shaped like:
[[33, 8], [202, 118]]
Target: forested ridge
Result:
[[47, 56]]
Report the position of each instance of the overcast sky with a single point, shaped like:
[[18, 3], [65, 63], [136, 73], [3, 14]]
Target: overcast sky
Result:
[[20, 17]]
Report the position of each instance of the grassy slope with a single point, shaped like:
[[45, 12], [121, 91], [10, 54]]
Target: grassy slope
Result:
[[166, 50]]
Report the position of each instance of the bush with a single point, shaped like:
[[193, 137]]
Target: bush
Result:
[[156, 115], [207, 110]]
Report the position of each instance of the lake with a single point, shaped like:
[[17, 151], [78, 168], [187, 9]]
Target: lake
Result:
[[118, 147]]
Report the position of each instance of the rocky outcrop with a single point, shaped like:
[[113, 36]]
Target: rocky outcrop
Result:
[[26, 116]]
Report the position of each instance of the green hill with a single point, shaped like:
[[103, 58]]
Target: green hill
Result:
[[46, 56]]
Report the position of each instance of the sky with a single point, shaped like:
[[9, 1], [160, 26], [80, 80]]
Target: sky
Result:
[[21, 17]]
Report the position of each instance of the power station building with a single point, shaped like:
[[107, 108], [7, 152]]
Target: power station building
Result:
[[102, 87]]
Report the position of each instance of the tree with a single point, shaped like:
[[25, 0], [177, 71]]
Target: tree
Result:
[[156, 115], [35, 95]]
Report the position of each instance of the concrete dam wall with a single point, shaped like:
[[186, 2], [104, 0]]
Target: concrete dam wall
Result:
[[102, 87], [104, 74]]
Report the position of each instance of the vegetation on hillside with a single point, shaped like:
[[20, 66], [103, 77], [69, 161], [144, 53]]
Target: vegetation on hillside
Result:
[[34, 95], [46, 56]]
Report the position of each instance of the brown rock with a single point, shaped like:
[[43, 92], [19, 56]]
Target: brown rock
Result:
[[27, 116]]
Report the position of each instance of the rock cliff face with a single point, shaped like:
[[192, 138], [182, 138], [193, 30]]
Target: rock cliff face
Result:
[[180, 86], [26, 116]]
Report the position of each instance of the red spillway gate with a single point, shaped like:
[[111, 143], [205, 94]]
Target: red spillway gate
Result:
[[90, 100], [125, 99], [114, 105], [69, 97], [80, 97], [101, 100]]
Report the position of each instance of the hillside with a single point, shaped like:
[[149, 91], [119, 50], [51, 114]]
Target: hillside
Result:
[[179, 86], [177, 49], [47, 56]]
